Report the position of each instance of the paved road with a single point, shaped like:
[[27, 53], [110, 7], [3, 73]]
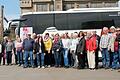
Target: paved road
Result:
[[18, 73]]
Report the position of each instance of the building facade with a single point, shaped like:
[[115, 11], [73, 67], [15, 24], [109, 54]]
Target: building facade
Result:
[[62, 5]]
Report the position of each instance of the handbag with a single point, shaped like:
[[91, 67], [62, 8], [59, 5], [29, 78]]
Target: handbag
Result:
[[116, 44]]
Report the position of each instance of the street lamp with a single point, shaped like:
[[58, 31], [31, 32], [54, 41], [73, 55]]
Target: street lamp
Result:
[[53, 1], [1, 20], [119, 3]]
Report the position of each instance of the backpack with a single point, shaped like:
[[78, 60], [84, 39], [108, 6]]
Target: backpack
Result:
[[116, 46]]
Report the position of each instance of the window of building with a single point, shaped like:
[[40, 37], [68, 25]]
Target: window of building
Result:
[[77, 6], [26, 10], [96, 5], [84, 5], [51, 7], [110, 5], [22, 1], [69, 6], [41, 7]]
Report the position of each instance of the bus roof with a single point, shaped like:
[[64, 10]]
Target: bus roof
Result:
[[78, 10]]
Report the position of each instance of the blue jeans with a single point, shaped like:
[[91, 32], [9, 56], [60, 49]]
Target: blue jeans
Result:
[[119, 57], [105, 58], [115, 60], [40, 59], [9, 57], [28, 54], [65, 55], [20, 58], [57, 57]]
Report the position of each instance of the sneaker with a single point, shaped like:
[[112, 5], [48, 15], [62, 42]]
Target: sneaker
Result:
[[33, 66], [106, 67], [10, 64], [66, 66], [92, 69], [24, 66], [19, 64], [56, 66], [3, 63], [49, 66], [38, 66], [43, 67]]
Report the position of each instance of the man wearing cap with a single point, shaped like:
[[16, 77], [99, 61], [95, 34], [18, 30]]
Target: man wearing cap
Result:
[[112, 35], [28, 51]]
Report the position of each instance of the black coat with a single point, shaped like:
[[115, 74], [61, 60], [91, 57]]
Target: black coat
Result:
[[118, 39], [37, 47], [3, 45], [80, 46], [57, 45]]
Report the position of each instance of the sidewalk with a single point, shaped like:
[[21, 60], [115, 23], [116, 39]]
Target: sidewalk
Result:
[[19, 73]]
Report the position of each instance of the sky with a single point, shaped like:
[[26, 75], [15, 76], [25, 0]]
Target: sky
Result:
[[11, 8]]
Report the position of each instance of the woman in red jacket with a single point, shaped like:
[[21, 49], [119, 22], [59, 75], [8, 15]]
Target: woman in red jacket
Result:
[[91, 47]]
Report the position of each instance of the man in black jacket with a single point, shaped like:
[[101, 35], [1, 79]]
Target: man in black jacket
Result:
[[28, 44]]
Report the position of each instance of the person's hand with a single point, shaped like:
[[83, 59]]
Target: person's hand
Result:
[[33, 51], [76, 59], [57, 50], [108, 49], [40, 51], [81, 53], [70, 51], [100, 49], [44, 54], [23, 51], [48, 51], [12, 51], [52, 52], [93, 51]]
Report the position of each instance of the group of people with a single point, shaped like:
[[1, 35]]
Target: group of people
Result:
[[77, 50]]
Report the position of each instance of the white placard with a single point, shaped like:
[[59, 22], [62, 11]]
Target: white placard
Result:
[[24, 31]]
